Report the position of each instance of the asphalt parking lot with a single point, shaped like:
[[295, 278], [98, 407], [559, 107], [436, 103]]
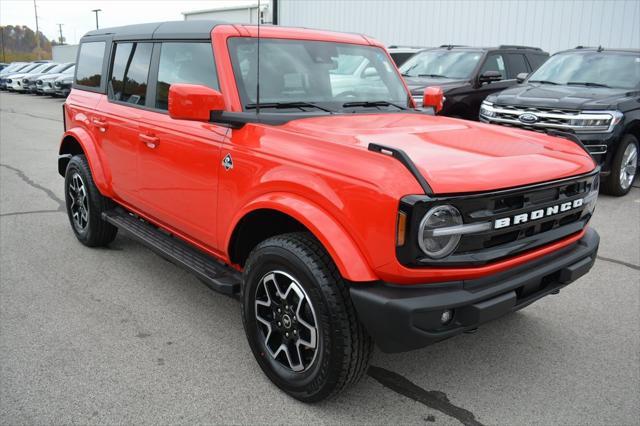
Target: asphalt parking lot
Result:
[[119, 335]]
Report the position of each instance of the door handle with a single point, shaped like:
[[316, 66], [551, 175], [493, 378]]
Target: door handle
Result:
[[100, 124], [150, 140]]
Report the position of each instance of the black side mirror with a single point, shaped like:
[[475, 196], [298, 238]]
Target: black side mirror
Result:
[[520, 78], [490, 76]]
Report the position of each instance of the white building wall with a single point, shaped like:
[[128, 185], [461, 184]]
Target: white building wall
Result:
[[550, 24], [64, 53], [247, 15]]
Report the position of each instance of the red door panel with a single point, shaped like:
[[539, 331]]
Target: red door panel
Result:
[[178, 166]]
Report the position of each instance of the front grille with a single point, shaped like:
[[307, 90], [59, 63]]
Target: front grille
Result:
[[498, 243], [543, 119]]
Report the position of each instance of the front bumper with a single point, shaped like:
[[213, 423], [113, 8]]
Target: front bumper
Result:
[[402, 319]]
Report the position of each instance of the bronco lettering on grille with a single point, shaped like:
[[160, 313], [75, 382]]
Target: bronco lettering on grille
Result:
[[537, 214]]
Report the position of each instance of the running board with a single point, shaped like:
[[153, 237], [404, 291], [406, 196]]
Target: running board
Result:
[[213, 273]]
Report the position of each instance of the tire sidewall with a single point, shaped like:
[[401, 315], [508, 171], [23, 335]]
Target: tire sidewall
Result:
[[78, 165], [315, 378], [617, 189]]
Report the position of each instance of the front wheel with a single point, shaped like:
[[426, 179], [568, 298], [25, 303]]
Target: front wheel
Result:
[[299, 319], [624, 167]]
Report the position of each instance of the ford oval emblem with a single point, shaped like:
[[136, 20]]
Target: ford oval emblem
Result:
[[528, 118]]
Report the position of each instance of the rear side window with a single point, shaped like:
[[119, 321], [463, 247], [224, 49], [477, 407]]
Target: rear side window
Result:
[[184, 63], [90, 58], [537, 60], [517, 64], [130, 72]]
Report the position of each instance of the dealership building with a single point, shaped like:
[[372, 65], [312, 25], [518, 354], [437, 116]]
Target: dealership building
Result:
[[551, 25]]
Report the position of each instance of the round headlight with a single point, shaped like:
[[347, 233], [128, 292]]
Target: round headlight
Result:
[[437, 247]]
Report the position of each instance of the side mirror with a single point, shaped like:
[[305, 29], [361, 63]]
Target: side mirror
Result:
[[193, 102], [370, 72], [490, 76], [520, 78], [433, 96]]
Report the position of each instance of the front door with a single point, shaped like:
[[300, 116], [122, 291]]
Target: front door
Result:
[[179, 160]]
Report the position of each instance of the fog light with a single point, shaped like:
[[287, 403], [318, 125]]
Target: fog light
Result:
[[446, 317]]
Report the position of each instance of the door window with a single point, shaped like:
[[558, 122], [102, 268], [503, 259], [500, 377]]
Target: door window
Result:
[[517, 64], [494, 63], [130, 72], [184, 63], [90, 61]]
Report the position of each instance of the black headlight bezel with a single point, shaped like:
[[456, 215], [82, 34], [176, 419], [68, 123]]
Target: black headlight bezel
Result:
[[489, 245]]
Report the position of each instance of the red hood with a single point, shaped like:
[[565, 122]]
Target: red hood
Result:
[[456, 155]]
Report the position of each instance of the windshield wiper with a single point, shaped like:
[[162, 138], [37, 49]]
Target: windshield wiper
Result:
[[433, 75], [371, 104], [544, 82], [283, 105], [586, 83]]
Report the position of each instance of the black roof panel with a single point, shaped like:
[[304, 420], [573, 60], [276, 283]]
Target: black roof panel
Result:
[[196, 29]]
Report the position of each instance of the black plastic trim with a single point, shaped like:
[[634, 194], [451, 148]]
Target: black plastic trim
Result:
[[402, 156], [402, 318], [573, 138]]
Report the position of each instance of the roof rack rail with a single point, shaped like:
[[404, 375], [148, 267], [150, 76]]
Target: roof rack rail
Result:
[[451, 46], [515, 46], [400, 46]]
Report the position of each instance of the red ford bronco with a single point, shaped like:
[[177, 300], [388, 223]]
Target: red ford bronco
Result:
[[292, 170]]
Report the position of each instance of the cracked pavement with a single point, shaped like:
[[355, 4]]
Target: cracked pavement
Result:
[[118, 335]]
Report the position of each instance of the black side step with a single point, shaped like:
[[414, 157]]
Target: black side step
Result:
[[215, 274]]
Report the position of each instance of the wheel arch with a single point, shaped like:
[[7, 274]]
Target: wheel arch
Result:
[[79, 141], [282, 213]]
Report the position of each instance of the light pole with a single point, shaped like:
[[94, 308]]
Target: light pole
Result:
[[96, 12]]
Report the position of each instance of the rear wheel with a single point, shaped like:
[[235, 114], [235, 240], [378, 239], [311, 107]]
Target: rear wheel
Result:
[[624, 167], [299, 319], [85, 205]]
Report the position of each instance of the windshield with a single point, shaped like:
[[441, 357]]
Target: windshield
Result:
[[70, 70], [319, 74], [606, 69], [58, 68], [28, 68], [441, 63]]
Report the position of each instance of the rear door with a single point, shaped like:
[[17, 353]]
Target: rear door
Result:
[[179, 160], [120, 114]]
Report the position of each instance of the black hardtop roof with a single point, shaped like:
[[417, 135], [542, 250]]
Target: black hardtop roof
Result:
[[193, 30]]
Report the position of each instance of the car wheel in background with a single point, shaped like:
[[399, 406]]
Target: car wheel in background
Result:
[[624, 167]]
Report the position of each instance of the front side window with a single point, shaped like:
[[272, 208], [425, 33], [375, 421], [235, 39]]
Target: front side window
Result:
[[454, 64], [184, 63], [494, 63], [331, 75], [90, 61], [130, 72], [594, 69]]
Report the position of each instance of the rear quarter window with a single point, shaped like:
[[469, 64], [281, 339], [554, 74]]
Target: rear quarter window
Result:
[[90, 60]]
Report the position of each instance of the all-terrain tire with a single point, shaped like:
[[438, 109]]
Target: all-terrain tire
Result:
[[96, 232], [344, 347]]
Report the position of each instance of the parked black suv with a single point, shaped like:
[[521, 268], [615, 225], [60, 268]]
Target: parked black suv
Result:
[[468, 74], [592, 93]]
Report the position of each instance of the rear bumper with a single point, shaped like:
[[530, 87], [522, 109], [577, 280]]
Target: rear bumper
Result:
[[402, 319]]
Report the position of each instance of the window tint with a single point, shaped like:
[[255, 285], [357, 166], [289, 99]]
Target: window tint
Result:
[[184, 63], [494, 63], [130, 72], [517, 64], [90, 64]]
